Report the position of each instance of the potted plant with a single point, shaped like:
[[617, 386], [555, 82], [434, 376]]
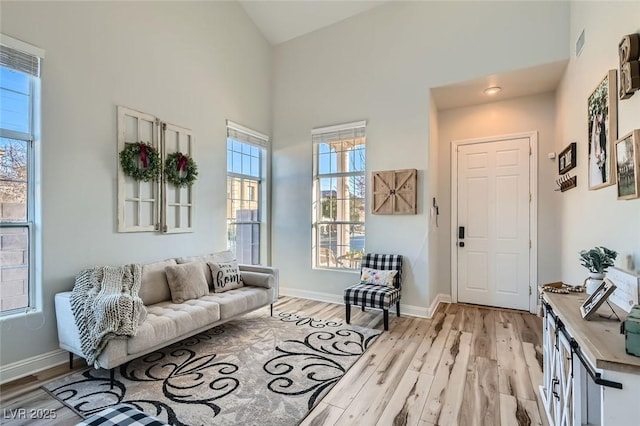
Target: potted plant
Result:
[[596, 260]]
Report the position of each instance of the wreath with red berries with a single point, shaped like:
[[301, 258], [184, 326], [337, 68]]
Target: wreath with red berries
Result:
[[141, 161], [180, 169]]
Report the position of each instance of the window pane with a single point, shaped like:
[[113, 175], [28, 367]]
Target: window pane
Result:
[[14, 268], [13, 180], [15, 100], [340, 246], [244, 241]]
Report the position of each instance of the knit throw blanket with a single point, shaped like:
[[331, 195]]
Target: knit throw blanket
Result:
[[105, 305]]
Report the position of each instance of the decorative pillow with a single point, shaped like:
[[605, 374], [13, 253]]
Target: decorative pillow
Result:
[[221, 256], [186, 282], [155, 288], [226, 276], [377, 276]]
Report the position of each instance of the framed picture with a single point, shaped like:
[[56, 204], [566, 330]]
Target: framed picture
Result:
[[628, 165], [603, 130], [567, 159], [591, 305]]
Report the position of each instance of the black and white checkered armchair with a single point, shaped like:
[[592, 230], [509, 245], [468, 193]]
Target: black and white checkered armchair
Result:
[[374, 295]]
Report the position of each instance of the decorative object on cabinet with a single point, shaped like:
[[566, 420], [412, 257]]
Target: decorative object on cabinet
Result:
[[627, 292], [151, 205], [566, 182], [593, 302], [596, 260], [628, 165], [632, 332], [567, 159], [562, 288], [602, 129], [395, 192], [629, 53]]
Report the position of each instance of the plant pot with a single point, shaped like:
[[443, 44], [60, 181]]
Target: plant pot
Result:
[[593, 282]]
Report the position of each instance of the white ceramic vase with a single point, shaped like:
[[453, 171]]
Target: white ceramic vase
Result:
[[593, 282]]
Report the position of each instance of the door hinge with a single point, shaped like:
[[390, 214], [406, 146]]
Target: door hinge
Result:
[[530, 152], [529, 289], [529, 243], [530, 197]]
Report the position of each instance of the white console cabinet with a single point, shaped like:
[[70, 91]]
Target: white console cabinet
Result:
[[588, 377]]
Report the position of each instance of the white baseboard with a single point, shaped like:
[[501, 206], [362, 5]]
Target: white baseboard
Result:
[[440, 298], [409, 310], [25, 367]]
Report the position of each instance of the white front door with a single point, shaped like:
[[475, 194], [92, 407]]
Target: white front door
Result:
[[493, 223]]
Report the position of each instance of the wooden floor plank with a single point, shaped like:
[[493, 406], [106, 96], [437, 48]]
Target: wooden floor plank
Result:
[[405, 407], [323, 415], [513, 372], [445, 396], [483, 343], [429, 360], [518, 412], [481, 406]]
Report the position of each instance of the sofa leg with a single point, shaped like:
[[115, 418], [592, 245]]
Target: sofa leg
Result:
[[272, 309], [362, 308], [112, 373], [386, 319], [398, 308], [348, 313], [70, 360]]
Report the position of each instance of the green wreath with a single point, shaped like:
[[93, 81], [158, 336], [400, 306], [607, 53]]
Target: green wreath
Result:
[[141, 161], [180, 169]]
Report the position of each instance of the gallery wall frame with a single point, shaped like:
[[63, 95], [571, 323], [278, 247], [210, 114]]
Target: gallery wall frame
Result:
[[567, 159], [628, 165], [602, 130]]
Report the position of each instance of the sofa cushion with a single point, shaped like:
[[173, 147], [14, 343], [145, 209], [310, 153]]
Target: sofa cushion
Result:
[[222, 256], [186, 281], [168, 320], [155, 288], [226, 276], [240, 300]]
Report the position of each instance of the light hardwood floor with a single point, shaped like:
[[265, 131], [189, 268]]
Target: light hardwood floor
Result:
[[468, 365]]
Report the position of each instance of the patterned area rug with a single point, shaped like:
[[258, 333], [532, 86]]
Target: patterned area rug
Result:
[[253, 370]]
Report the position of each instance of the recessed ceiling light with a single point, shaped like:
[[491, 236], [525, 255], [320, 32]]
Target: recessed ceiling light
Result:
[[492, 90]]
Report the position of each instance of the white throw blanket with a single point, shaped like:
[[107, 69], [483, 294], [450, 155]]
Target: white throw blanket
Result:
[[105, 305]]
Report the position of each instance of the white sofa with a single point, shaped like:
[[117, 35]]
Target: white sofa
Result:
[[169, 322]]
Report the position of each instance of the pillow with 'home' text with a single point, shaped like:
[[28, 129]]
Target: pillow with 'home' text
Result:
[[377, 276], [226, 276]]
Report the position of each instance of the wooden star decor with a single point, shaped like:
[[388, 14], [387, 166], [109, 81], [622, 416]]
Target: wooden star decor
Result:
[[394, 192]]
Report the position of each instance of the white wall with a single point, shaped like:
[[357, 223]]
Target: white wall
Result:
[[194, 64], [525, 114], [591, 218], [379, 66]]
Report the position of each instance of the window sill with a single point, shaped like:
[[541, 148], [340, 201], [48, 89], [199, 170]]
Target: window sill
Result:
[[21, 313], [350, 271]]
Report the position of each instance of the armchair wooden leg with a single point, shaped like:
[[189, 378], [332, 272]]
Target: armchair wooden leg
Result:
[[112, 373], [348, 313], [272, 310], [70, 360], [398, 308], [362, 308], [386, 319]]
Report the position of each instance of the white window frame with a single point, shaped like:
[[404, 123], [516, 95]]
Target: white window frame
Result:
[[33, 219], [261, 141], [324, 259]]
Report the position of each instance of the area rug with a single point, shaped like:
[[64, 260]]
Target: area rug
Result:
[[253, 370]]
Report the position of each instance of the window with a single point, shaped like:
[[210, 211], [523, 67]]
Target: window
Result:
[[339, 189], [247, 154], [19, 124]]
